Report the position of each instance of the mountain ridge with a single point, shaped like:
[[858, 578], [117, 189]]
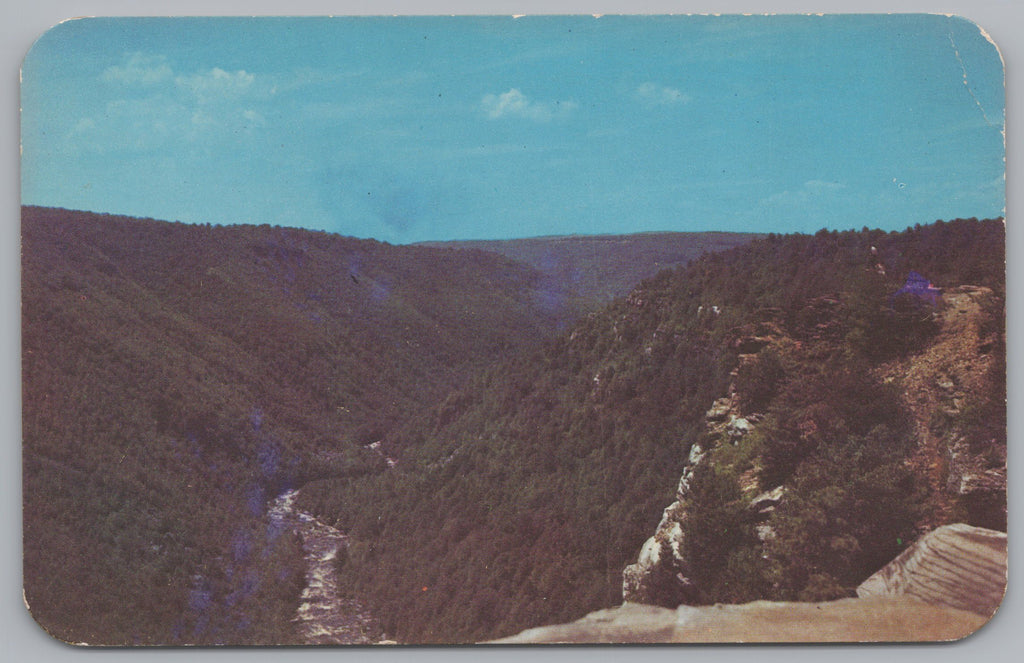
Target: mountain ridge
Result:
[[599, 268]]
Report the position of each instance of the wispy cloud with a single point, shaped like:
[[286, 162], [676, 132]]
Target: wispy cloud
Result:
[[515, 104], [155, 73], [139, 69], [810, 191], [653, 94], [156, 107], [216, 84], [135, 124]]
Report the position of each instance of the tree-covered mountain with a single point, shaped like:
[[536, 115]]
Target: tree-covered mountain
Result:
[[532, 487], [176, 377]]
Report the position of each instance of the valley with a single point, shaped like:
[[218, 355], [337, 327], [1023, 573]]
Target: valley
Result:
[[257, 435]]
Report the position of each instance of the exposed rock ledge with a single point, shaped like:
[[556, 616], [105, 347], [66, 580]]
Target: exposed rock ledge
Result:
[[944, 587], [875, 619], [958, 566]]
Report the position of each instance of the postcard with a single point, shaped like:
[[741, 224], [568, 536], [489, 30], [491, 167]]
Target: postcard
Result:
[[543, 329]]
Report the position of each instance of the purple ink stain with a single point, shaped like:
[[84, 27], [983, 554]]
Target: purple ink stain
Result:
[[268, 456], [920, 287], [200, 600], [255, 499], [200, 596], [256, 418], [241, 545], [246, 589], [379, 292], [275, 528]]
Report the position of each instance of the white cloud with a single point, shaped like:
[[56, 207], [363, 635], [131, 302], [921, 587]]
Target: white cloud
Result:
[[254, 119], [151, 70], [517, 105], [159, 109], [216, 83], [139, 69], [653, 94], [134, 124]]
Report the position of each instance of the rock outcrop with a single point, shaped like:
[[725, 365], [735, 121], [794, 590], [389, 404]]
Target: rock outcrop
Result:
[[944, 587], [660, 575], [958, 566], [875, 619], [962, 470]]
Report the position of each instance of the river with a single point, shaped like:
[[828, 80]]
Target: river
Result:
[[324, 616]]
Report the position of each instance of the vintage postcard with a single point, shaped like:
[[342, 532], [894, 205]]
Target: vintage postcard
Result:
[[554, 329]]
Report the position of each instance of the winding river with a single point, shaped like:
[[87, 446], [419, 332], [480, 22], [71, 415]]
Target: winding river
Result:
[[324, 616]]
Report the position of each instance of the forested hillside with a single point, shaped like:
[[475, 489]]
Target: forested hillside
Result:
[[533, 486], [177, 377]]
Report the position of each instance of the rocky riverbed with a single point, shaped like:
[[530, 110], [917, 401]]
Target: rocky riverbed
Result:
[[324, 616]]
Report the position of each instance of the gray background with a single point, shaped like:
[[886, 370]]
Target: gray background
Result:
[[22, 21]]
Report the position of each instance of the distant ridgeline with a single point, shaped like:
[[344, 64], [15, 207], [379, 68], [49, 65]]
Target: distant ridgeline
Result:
[[177, 377], [594, 269], [535, 484]]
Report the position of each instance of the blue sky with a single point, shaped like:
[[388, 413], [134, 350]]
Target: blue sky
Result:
[[417, 128]]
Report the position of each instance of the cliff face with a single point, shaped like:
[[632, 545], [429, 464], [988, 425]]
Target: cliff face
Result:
[[950, 389], [662, 574], [961, 454]]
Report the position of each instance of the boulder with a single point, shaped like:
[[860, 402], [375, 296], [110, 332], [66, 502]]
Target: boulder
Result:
[[763, 505], [737, 428], [720, 410], [970, 473]]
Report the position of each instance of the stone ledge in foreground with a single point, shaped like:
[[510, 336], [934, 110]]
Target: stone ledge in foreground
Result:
[[870, 619]]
